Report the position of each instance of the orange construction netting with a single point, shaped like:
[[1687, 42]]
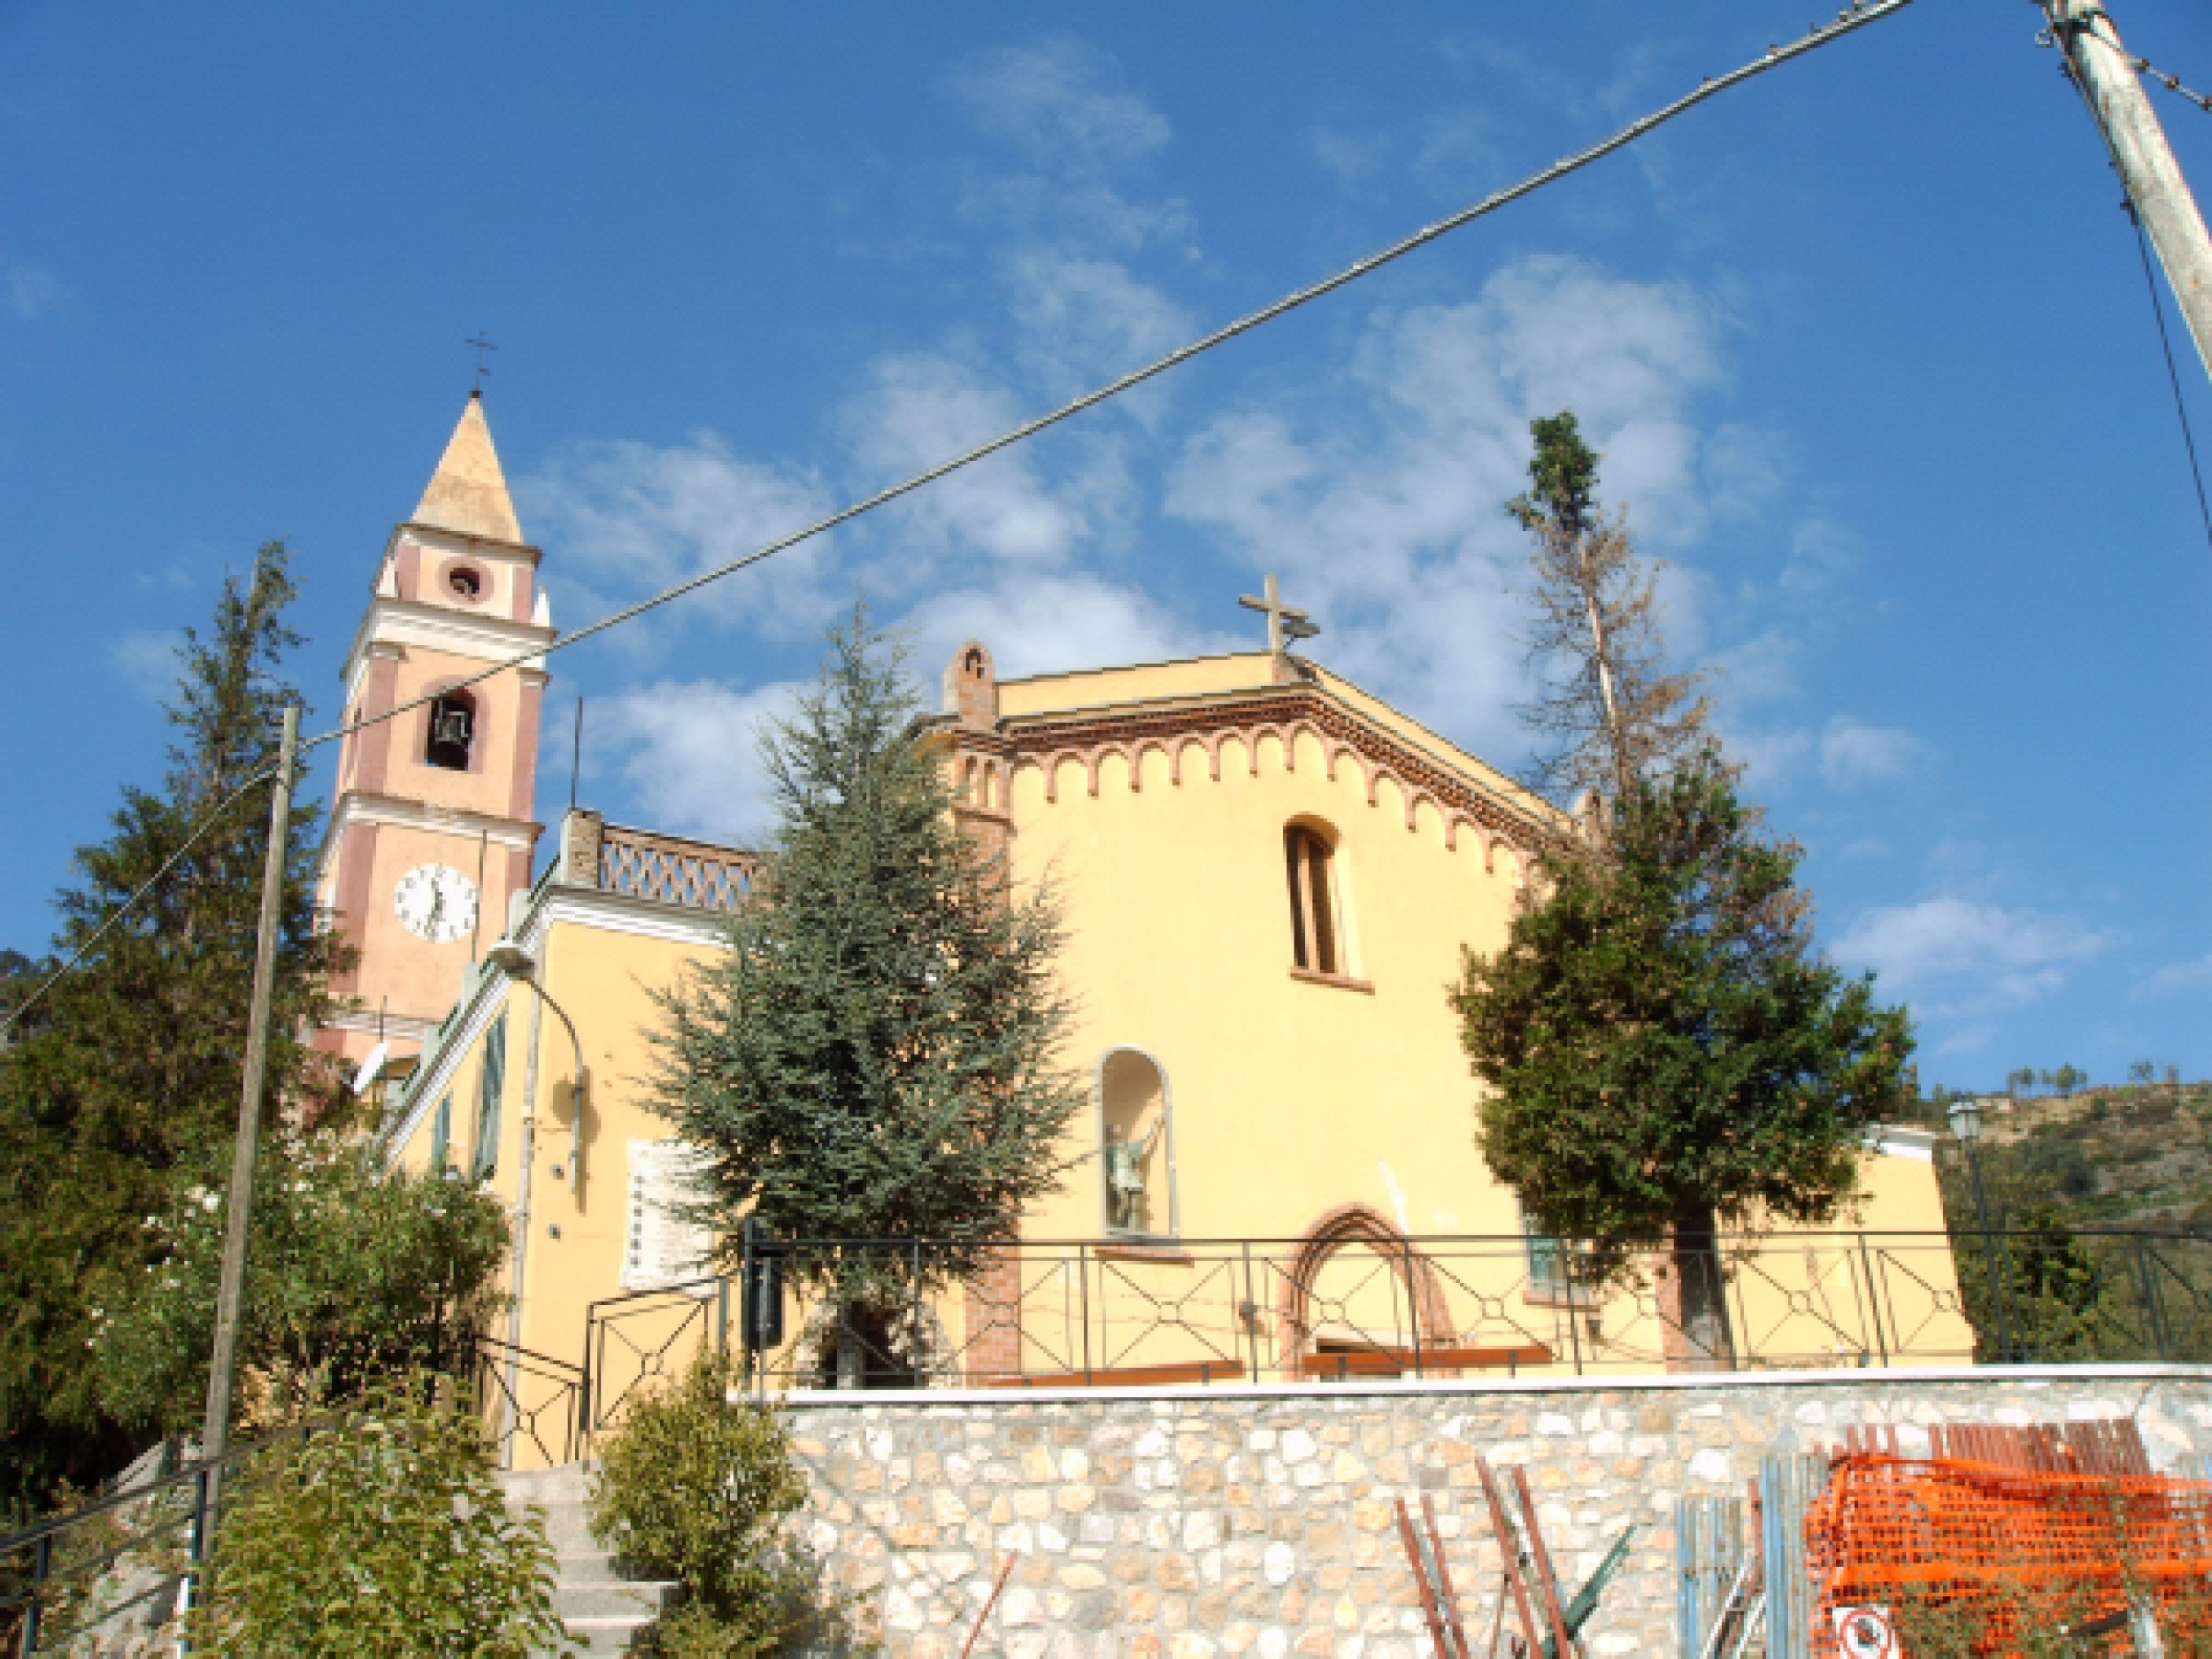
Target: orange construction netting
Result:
[[1998, 1554]]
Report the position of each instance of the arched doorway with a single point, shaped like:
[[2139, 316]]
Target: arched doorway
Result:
[[1359, 1300]]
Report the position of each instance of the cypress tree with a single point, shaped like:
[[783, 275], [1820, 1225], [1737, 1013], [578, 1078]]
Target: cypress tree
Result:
[[874, 1062]]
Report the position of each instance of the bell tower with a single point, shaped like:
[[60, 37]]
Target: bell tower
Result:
[[431, 828]]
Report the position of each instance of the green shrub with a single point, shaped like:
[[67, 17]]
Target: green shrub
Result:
[[696, 1486], [353, 1271], [385, 1534]]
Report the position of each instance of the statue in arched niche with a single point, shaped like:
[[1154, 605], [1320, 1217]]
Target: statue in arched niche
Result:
[[1125, 1176]]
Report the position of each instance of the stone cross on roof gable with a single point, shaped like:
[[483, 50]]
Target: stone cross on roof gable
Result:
[[1285, 623]]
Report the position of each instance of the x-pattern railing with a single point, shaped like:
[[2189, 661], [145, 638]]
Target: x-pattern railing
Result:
[[1111, 1312]]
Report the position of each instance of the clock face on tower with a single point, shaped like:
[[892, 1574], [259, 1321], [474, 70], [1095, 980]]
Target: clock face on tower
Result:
[[435, 902]]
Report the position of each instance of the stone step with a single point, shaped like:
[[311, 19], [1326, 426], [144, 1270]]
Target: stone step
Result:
[[569, 1532], [605, 1635], [568, 1483], [646, 1602], [587, 1566]]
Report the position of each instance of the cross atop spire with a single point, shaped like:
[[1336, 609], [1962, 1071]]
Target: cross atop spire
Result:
[[1286, 623], [483, 368]]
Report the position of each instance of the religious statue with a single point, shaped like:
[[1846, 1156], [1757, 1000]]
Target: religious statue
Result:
[[1125, 1176]]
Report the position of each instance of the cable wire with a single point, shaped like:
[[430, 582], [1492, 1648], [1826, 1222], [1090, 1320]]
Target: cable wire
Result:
[[2173, 376], [126, 906], [1855, 16], [2142, 247]]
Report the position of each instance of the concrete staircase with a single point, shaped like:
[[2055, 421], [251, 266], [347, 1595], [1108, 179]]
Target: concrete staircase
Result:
[[604, 1612]]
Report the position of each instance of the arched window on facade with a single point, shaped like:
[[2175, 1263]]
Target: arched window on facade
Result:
[[1136, 1147], [1316, 932], [452, 731]]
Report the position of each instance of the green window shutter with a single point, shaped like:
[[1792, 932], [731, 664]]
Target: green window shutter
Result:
[[441, 1134], [490, 1084]]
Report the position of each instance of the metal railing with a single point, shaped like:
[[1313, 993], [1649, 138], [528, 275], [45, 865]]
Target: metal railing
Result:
[[143, 1546], [137, 1547], [531, 1403], [1364, 1306]]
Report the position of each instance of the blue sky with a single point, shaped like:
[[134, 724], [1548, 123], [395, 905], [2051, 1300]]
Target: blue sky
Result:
[[1866, 346]]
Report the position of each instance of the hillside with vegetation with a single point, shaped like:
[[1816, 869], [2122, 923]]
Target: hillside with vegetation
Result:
[[2132, 1155]]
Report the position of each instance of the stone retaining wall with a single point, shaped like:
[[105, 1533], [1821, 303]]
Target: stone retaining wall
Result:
[[1195, 1521]]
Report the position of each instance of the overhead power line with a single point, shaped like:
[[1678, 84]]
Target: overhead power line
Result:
[[1851, 18], [108, 923], [1855, 16]]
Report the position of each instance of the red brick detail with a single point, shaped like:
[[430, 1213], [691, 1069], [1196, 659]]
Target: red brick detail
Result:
[[993, 1316], [407, 569], [971, 686], [1357, 1225]]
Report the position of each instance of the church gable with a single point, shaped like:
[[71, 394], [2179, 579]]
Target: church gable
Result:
[[1188, 739]]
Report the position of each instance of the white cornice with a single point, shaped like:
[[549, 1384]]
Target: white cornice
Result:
[[387, 1024], [620, 913], [446, 1043], [359, 806], [461, 541], [441, 628]]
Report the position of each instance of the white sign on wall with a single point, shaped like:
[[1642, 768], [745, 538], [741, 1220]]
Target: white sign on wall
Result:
[[662, 1249]]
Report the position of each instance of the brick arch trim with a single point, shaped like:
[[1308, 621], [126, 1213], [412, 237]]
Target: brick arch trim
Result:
[[1333, 1230]]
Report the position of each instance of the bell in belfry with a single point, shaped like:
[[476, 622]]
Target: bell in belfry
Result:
[[452, 727]]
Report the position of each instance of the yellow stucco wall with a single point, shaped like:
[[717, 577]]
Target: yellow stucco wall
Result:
[[1292, 1100], [1289, 1097]]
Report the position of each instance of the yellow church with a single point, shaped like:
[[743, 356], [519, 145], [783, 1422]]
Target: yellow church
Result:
[[1268, 875]]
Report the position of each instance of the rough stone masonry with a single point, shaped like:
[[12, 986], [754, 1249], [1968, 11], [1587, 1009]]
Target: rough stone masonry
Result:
[[1191, 1522]]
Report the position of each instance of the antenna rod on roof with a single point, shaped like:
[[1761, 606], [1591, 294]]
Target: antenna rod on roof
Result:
[[576, 756]]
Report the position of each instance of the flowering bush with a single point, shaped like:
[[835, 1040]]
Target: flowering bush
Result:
[[351, 1272]]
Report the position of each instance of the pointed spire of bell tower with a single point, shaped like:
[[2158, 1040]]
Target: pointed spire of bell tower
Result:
[[468, 492]]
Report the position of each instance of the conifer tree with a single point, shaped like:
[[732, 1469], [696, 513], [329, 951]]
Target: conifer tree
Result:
[[876, 1056], [128, 1070], [1609, 710], [1667, 1053]]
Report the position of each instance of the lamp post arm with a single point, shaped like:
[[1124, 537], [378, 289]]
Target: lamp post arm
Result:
[[577, 1092]]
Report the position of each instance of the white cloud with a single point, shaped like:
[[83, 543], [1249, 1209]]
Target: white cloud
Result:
[[1048, 624], [1351, 159], [1983, 955], [33, 293], [1061, 100], [145, 659], [1381, 508], [689, 754], [2180, 979], [922, 408], [1084, 321], [1854, 753], [631, 518]]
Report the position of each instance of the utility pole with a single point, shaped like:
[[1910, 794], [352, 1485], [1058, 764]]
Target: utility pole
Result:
[[2106, 75], [215, 1436]]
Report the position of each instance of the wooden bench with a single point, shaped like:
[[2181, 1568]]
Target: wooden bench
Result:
[[1400, 1362]]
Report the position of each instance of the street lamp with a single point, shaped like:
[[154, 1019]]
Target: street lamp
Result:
[[1966, 1123], [520, 966]]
